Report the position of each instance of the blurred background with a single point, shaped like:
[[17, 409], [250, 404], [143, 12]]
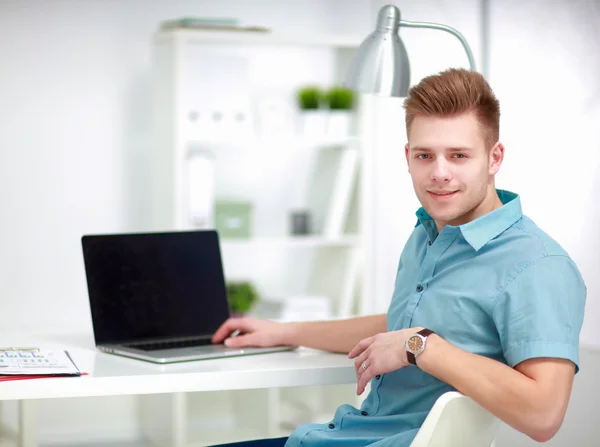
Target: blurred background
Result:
[[83, 130]]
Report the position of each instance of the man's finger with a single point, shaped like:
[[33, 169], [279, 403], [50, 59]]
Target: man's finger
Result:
[[359, 361], [365, 375], [359, 348], [362, 381], [241, 341], [364, 378], [226, 329]]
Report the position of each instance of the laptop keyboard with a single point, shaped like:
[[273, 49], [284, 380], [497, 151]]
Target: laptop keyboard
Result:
[[155, 346]]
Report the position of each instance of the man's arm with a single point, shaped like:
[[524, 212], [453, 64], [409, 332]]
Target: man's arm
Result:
[[532, 397], [538, 318], [334, 336]]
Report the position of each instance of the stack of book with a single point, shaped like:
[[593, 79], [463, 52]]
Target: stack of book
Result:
[[31, 363], [207, 23]]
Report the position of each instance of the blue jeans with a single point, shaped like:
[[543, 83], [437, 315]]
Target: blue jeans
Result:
[[273, 442]]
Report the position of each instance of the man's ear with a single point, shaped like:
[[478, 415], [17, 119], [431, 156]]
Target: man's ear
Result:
[[406, 152], [496, 158]]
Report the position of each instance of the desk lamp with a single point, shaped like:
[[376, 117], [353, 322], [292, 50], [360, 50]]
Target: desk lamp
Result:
[[380, 65]]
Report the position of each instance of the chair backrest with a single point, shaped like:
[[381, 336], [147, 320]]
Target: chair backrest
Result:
[[457, 421]]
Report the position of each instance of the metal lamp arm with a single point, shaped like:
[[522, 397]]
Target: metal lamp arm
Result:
[[448, 29]]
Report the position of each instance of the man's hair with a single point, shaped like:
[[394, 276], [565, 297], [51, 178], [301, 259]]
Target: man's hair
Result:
[[452, 92]]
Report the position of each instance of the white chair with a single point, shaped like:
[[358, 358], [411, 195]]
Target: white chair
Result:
[[457, 421]]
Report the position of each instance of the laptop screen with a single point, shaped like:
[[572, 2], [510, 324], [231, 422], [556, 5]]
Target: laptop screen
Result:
[[154, 285]]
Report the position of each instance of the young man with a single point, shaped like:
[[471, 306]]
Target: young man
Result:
[[484, 302]]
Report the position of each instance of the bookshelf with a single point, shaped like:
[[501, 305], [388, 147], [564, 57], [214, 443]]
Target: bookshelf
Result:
[[209, 90], [228, 98]]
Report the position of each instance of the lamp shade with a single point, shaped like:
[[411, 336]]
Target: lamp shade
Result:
[[380, 65]]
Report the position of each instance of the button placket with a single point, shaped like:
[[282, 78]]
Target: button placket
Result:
[[413, 303], [432, 254], [443, 242]]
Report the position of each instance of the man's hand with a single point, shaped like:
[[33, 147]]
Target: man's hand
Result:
[[379, 354], [252, 332]]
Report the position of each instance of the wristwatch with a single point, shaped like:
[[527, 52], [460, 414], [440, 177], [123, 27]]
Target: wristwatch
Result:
[[416, 344]]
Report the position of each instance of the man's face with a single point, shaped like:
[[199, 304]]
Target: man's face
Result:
[[451, 170]]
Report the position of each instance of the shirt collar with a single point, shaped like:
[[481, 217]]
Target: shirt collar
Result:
[[480, 231]]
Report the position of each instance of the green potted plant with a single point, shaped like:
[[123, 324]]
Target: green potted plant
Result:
[[340, 98], [242, 296], [310, 100], [341, 103], [310, 97]]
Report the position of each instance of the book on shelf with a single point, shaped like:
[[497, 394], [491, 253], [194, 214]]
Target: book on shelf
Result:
[[351, 285], [19, 363], [341, 193], [213, 24], [331, 191]]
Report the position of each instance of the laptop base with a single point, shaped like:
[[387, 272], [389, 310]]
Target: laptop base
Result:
[[188, 354]]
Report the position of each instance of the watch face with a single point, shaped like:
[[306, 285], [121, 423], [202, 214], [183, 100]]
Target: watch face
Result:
[[415, 343]]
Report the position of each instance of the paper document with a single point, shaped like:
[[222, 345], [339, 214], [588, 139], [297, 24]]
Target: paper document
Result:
[[35, 361]]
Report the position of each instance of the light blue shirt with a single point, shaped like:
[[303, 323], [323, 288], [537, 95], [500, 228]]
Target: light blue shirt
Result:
[[497, 286]]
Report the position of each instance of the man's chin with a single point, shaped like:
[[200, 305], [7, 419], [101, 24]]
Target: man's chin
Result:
[[442, 217]]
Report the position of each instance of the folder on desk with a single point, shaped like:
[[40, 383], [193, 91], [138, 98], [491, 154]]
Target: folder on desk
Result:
[[36, 362]]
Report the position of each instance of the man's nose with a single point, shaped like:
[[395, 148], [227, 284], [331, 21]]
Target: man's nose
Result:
[[441, 172]]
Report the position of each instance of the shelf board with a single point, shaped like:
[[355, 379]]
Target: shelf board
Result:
[[261, 38], [292, 241]]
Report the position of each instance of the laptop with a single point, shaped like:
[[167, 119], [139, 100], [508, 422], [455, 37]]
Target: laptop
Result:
[[159, 297]]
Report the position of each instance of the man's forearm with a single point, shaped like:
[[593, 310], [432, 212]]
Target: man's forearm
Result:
[[335, 336], [512, 396]]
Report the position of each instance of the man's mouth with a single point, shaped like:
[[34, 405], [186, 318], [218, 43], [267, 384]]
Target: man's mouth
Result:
[[441, 194]]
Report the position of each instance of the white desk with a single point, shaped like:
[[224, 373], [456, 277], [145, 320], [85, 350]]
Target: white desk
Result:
[[110, 375]]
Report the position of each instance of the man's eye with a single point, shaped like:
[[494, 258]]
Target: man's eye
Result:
[[423, 156], [460, 155]]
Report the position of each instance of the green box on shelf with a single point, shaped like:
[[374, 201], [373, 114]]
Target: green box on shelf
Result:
[[233, 219]]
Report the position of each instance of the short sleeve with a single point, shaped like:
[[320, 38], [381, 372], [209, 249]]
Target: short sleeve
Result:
[[540, 312]]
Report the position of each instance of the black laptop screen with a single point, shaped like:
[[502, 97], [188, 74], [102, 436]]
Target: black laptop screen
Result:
[[156, 285]]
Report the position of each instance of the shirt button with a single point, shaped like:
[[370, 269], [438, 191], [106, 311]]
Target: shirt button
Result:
[[428, 242], [419, 288], [364, 413], [331, 425], [378, 376]]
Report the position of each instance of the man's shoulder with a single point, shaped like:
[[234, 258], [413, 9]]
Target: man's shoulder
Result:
[[519, 247], [528, 238]]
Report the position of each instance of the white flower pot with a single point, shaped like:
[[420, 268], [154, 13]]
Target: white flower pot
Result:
[[339, 123], [313, 123]]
